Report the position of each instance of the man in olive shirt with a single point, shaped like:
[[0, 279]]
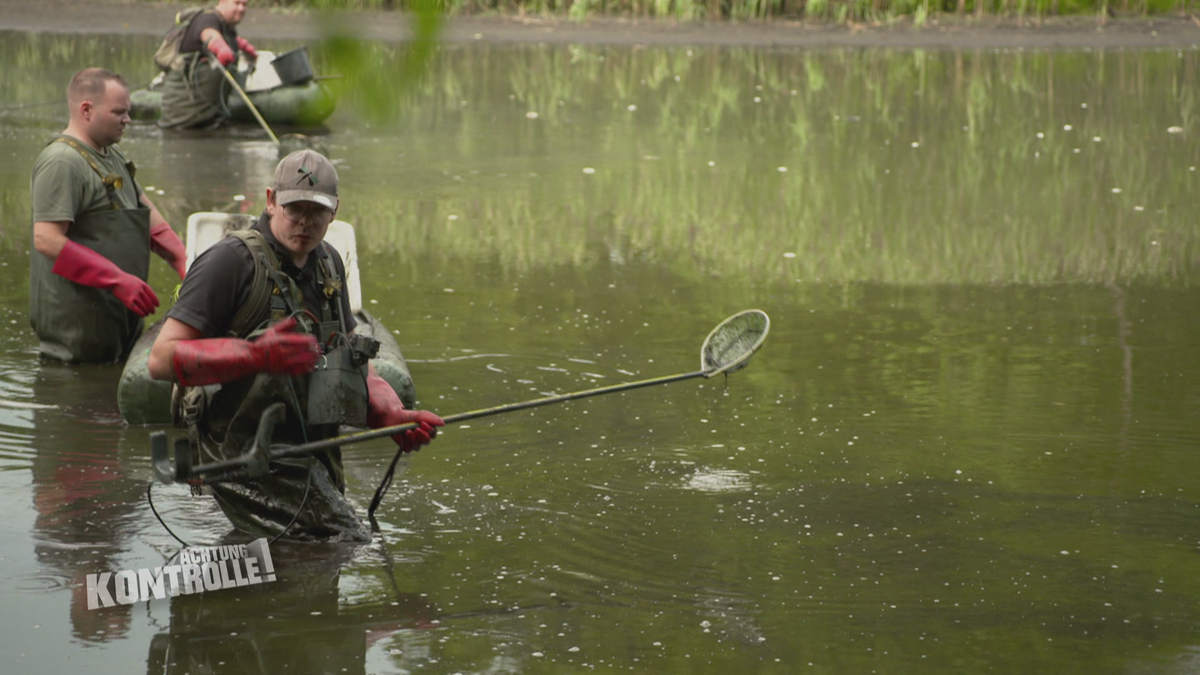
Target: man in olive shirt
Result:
[[93, 230], [192, 95]]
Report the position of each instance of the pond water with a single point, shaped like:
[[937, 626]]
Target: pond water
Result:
[[968, 444]]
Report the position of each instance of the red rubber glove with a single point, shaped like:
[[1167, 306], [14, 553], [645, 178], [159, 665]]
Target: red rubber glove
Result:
[[167, 245], [278, 350], [384, 409], [222, 51], [84, 266], [245, 46]]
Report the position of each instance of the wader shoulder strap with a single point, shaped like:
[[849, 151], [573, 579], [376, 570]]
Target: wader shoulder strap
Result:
[[271, 288], [261, 288], [112, 182], [331, 287]]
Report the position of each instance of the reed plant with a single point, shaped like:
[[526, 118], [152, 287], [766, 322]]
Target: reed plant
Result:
[[841, 11]]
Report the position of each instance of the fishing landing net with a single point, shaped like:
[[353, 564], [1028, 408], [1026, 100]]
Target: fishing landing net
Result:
[[731, 344]]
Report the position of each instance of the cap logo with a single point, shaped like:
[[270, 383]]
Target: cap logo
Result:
[[306, 173]]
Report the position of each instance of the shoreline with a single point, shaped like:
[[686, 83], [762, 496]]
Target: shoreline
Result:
[[949, 32]]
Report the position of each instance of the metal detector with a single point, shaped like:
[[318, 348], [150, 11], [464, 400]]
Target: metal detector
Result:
[[727, 348]]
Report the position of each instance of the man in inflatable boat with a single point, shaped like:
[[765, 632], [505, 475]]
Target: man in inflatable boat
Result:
[[203, 39], [262, 318]]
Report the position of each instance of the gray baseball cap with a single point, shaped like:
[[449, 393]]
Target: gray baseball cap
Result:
[[306, 175]]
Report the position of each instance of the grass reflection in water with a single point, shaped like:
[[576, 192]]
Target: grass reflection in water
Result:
[[923, 167]]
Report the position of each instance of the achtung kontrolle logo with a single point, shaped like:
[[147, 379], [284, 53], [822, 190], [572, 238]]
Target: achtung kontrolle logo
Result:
[[200, 568]]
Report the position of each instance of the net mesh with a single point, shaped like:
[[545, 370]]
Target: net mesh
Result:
[[730, 345]]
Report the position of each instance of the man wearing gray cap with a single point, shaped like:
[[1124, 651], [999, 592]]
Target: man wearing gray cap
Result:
[[256, 314]]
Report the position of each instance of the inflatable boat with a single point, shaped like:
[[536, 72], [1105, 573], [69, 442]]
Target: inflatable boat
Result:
[[283, 89]]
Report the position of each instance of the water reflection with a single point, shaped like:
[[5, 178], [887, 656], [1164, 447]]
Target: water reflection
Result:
[[298, 623], [718, 480], [188, 177], [84, 496]]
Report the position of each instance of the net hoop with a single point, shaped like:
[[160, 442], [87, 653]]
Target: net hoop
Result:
[[731, 344]]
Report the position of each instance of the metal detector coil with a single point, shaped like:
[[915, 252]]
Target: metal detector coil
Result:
[[255, 463]]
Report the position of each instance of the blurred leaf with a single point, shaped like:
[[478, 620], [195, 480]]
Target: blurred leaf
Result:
[[367, 78]]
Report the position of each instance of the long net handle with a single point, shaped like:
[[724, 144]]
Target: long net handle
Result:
[[249, 104], [736, 361], [360, 436]]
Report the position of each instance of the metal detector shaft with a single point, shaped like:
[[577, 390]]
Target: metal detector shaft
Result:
[[327, 444]]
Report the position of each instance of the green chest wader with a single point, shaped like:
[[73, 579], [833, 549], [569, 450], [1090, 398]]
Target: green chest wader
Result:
[[193, 97], [222, 421], [81, 323]]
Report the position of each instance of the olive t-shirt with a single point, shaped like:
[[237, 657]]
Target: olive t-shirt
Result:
[[64, 186]]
